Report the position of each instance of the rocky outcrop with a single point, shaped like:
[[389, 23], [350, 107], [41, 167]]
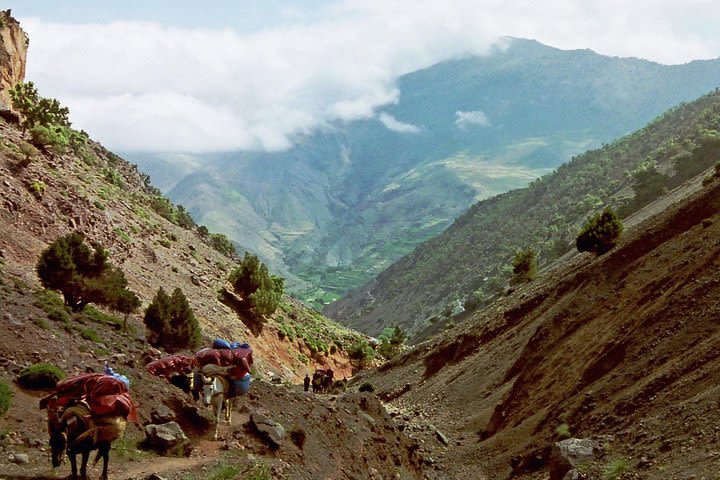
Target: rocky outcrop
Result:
[[13, 54], [568, 454]]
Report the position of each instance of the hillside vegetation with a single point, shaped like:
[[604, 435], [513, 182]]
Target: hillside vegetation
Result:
[[56, 181], [474, 255]]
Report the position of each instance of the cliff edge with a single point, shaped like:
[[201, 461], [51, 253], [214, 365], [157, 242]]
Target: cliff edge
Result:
[[13, 54]]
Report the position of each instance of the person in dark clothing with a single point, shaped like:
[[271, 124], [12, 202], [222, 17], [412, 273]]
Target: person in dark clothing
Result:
[[306, 382]]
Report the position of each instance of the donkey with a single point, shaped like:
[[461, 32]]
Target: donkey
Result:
[[216, 392], [75, 431]]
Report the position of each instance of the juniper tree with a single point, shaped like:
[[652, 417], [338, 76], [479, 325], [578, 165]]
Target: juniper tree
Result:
[[82, 273], [599, 233]]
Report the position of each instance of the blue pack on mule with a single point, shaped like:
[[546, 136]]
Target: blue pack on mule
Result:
[[220, 343], [240, 386]]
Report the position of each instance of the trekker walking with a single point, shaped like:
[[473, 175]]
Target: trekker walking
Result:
[[306, 383]]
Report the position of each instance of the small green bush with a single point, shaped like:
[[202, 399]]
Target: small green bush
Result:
[[524, 266], [563, 431], [224, 472], [89, 334], [29, 153], [5, 397], [51, 303], [707, 180], [40, 375], [615, 469], [40, 322], [38, 187], [600, 233], [53, 137], [259, 472]]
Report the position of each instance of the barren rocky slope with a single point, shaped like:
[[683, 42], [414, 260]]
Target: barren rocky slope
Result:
[[622, 348]]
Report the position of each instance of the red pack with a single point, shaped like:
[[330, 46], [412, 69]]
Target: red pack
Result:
[[77, 386], [166, 366]]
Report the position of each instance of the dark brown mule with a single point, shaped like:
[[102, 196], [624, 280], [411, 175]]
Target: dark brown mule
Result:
[[75, 431]]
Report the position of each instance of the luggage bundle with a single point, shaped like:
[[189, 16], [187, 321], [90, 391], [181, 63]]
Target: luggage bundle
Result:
[[168, 366], [104, 395], [230, 358]]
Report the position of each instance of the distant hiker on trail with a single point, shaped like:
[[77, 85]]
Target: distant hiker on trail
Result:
[[306, 382]]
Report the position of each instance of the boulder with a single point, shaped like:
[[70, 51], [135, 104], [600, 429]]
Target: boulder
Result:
[[162, 414], [21, 458], [568, 454], [168, 437], [269, 431]]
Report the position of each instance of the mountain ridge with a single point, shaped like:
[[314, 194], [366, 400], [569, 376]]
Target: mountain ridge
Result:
[[476, 248], [482, 124]]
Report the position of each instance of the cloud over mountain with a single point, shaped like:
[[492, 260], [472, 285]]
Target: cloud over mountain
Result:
[[147, 86]]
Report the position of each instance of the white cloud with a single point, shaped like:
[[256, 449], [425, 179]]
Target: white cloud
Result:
[[392, 123], [474, 117], [147, 86]]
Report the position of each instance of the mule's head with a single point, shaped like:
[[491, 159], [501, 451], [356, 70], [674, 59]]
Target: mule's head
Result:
[[208, 389], [58, 441]]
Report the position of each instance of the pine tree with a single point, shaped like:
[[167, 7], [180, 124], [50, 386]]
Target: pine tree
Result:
[[171, 322], [261, 292]]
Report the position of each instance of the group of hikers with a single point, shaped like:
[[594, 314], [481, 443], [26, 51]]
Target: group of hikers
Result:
[[322, 380]]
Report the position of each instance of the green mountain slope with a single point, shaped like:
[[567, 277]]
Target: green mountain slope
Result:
[[346, 202], [475, 252]]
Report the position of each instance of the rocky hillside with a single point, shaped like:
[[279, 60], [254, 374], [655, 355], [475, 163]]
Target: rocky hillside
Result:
[[474, 254], [621, 350], [46, 195]]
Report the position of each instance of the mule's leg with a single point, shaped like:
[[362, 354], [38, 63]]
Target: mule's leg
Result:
[[73, 465], [85, 455], [217, 403], [228, 409], [104, 452]]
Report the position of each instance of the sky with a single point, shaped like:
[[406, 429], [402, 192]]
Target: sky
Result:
[[182, 76]]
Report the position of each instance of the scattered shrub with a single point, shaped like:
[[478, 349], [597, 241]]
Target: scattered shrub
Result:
[[361, 352], [366, 387], [40, 322], [524, 266], [615, 469], [123, 236], [53, 137], [51, 303], [707, 180], [29, 153], [5, 397], [40, 375], [113, 177], [599, 233], [38, 187], [222, 244], [224, 472], [391, 342], [563, 431]]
